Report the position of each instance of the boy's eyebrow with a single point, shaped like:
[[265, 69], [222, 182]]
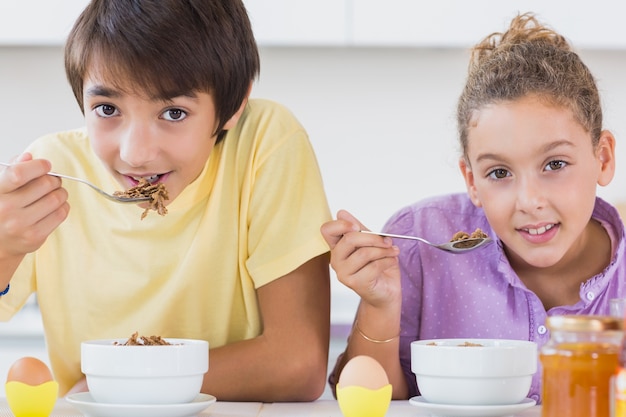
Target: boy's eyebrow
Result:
[[99, 90], [102, 91], [191, 95]]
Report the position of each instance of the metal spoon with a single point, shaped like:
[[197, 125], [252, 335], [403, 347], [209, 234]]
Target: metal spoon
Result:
[[455, 246], [118, 199]]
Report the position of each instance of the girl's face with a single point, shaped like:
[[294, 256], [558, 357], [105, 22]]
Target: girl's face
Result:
[[165, 142], [533, 169]]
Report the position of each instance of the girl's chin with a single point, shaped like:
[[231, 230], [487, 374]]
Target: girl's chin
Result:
[[545, 260], [535, 258]]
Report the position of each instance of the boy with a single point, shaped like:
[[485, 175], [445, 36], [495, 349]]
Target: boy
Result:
[[237, 260]]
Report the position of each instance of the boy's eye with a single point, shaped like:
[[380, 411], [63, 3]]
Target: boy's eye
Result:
[[105, 110], [499, 173], [555, 165], [174, 115]]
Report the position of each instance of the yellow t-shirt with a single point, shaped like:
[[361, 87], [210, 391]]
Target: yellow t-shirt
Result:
[[252, 216]]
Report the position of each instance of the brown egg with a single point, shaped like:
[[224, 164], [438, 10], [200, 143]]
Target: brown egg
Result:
[[363, 371], [28, 370]]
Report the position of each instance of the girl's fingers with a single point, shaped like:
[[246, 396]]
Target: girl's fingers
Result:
[[334, 230], [366, 278], [352, 241], [347, 217], [359, 259]]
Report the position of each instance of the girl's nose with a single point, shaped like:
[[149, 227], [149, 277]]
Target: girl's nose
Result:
[[530, 196], [137, 146]]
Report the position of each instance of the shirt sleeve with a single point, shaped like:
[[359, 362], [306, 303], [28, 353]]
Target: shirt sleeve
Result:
[[287, 204]]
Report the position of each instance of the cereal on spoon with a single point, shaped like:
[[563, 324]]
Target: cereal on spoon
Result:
[[157, 193], [466, 240]]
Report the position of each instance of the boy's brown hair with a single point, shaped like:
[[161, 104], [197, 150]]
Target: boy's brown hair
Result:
[[166, 48]]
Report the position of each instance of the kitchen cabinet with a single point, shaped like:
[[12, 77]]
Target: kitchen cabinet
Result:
[[276, 22], [359, 23], [37, 22], [461, 23], [299, 22]]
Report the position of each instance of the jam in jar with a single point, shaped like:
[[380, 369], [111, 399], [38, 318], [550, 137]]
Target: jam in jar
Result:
[[579, 363]]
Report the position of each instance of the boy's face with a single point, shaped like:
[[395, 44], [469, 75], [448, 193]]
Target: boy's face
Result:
[[534, 170], [163, 141]]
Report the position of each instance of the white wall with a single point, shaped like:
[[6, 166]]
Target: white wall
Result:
[[381, 119]]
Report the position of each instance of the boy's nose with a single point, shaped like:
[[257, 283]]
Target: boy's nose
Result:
[[137, 146]]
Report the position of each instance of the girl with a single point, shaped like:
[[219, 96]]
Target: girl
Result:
[[533, 153]]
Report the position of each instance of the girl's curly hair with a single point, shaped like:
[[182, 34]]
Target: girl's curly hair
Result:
[[528, 59]]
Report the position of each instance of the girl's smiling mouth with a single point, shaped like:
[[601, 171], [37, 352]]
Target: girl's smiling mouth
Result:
[[540, 230], [539, 234]]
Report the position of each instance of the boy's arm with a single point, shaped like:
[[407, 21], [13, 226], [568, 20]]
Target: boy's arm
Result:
[[288, 361], [8, 266], [32, 205]]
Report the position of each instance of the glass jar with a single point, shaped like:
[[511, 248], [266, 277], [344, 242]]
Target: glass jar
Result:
[[579, 363], [620, 383]]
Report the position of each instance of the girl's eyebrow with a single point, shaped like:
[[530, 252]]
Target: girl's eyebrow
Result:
[[488, 156], [558, 143], [549, 147]]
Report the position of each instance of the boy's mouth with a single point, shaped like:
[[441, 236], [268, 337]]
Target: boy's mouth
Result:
[[151, 179]]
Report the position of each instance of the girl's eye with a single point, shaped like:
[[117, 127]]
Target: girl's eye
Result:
[[106, 110], [174, 115], [499, 173], [555, 165]]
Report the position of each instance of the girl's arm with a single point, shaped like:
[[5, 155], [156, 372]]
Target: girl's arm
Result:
[[368, 264]]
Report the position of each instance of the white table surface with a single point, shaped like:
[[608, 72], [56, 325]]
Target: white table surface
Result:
[[320, 408], [330, 408]]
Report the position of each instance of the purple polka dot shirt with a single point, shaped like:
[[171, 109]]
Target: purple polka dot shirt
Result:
[[477, 294]]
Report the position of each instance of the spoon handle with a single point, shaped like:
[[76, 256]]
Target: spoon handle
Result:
[[116, 198], [397, 236]]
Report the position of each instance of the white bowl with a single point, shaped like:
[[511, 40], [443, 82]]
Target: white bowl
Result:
[[161, 374], [457, 371]]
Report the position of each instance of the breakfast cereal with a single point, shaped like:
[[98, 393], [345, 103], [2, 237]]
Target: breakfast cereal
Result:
[[156, 192], [136, 340]]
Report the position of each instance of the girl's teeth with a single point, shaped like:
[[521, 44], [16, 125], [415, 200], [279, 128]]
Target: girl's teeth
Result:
[[541, 230]]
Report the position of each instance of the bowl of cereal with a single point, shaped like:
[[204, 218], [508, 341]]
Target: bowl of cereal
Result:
[[144, 370], [473, 371]]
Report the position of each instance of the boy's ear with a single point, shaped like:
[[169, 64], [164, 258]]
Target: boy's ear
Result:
[[468, 175], [605, 153], [235, 117]]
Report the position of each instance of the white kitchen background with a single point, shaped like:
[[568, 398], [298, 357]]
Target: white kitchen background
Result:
[[375, 82]]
